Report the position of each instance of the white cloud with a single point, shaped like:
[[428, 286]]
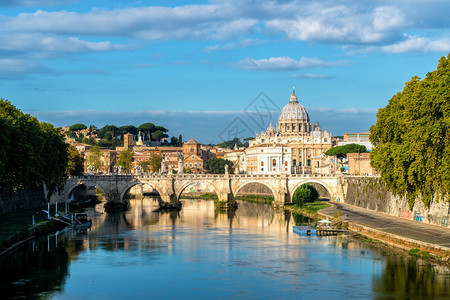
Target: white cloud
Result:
[[234, 45], [416, 44], [311, 76], [284, 64]]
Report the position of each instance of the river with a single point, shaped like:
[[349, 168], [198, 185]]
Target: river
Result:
[[200, 253]]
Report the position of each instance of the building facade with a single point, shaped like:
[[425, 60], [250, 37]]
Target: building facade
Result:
[[305, 143]]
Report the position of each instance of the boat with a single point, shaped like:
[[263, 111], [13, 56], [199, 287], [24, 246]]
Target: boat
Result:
[[81, 221]]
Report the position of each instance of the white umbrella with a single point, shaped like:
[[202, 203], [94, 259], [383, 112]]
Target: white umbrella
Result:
[[324, 222]]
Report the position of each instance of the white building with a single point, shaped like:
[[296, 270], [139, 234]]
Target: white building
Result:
[[268, 159], [305, 143]]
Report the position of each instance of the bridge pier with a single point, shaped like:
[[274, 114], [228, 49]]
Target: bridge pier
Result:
[[114, 202]]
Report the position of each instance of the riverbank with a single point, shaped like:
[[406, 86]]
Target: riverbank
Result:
[[394, 232]]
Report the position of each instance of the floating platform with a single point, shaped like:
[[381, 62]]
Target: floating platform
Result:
[[306, 230]]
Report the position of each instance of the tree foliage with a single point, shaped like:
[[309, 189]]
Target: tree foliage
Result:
[[30, 152], [304, 194], [231, 143], [155, 160], [412, 138], [77, 127], [216, 165], [342, 151], [125, 160], [75, 163], [148, 129], [94, 157]]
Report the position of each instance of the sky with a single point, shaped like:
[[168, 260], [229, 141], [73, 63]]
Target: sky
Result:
[[215, 70]]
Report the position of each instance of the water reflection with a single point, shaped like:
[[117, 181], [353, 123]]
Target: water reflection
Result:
[[143, 253]]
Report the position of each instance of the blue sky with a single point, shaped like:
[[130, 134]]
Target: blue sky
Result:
[[196, 66]]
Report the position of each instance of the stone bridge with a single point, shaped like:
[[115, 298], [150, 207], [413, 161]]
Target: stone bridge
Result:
[[226, 186]]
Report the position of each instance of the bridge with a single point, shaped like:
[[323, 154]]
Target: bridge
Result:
[[226, 186]]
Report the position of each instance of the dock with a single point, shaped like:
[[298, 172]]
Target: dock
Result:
[[306, 230]]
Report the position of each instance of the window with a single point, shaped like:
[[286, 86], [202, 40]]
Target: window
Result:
[[317, 164], [192, 149], [308, 163], [285, 163], [262, 169], [325, 140], [294, 162], [262, 164], [186, 165], [190, 165], [199, 164], [274, 162], [195, 164], [193, 157], [294, 151], [262, 150]]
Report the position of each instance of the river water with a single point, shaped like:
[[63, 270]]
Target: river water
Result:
[[199, 253]]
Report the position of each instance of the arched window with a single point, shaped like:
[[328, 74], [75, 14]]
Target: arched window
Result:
[[274, 162]]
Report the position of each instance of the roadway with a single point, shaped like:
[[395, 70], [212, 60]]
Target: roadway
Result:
[[393, 225]]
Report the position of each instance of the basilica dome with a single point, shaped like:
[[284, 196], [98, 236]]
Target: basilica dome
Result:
[[293, 119], [293, 111]]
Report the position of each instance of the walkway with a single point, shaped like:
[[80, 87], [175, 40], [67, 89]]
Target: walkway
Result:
[[414, 230]]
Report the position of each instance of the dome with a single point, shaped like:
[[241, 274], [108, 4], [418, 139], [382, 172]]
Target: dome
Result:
[[293, 111], [271, 129]]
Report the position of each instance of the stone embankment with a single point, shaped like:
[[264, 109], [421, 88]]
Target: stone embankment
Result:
[[29, 198], [394, 231]]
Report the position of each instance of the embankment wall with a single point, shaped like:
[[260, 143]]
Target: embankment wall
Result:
[[371, 193], [27, 198]]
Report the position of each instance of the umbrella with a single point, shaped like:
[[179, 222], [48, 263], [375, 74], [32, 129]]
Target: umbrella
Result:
[[324, 222]]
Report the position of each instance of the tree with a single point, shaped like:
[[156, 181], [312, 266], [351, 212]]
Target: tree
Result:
[[174, 141], [412, 138], [159, 135], [155, 162], [77, 127], [128, 129], [94, 157], [148, 129], [75, 162], [31, 152], [125, 160], [231, 143], [108, 131], [341, 151], [216, 165], [304, 194], [180, 141]]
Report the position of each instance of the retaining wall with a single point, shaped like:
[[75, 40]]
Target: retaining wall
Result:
[[371, 193]]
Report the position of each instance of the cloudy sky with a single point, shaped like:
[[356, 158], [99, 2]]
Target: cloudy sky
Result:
[[214, 69]]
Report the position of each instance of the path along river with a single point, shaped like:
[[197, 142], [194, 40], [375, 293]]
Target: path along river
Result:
[[199, 253]]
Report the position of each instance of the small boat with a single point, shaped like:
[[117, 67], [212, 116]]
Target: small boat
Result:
[[81, 221]]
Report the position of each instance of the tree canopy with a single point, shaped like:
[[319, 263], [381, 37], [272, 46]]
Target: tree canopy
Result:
[[412, 138], [304, 194], [125, 160], [77, 127], [341, 151], [30, 152], [216, 165]]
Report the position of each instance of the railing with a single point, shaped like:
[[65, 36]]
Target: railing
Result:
[[141, 176]]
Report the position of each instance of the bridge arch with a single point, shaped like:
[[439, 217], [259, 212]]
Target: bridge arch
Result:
[[87, 185], [327, 188], [132, 184], [241, 185], [189, 183]]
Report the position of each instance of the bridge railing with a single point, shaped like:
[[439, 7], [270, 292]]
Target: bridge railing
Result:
[[114, 176]]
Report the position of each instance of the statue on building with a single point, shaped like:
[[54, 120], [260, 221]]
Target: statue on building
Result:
[[138, 169], [180, 164], [91, 169], [139, 142], [163, 167]]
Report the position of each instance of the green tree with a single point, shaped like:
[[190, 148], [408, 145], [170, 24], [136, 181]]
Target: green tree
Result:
[[108, 132], [155, 160], [180, 141], [94, 157], [304, 194], [341, 151], [128, 129], [216, 165], [159, 135], [148, 129], [125, 160], [75, 163], [77, 127], [412, 138], [231, 143], [31, 153]]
